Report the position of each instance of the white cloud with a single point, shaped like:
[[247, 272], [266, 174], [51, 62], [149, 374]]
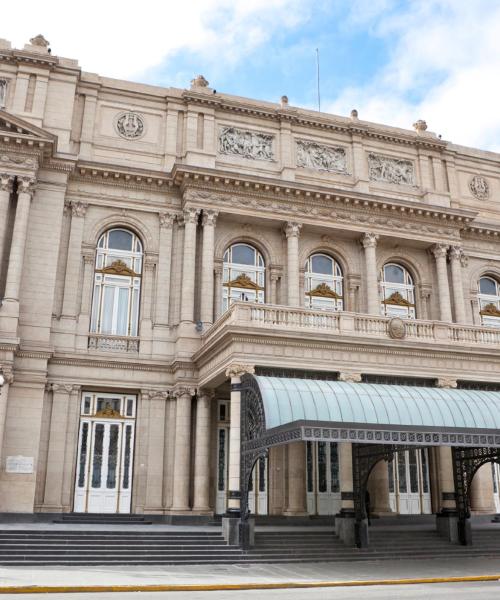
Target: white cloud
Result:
[[124, 39], [444, 67]]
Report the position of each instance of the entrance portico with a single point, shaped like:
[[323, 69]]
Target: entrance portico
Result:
[[371, 422]]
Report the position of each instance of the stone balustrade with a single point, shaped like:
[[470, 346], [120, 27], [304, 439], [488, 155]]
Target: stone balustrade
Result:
[[291, 319], [113, 343]]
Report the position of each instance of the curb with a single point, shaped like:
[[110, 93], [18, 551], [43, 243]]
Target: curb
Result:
[[65, 589]]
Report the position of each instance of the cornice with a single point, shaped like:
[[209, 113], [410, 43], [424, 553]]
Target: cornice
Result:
[[319, 120], [110, 364], [20, 56], [482, 230], [121, 176]]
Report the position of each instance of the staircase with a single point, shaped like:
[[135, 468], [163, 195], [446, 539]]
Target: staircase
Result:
[[151, 546], [102, 519]]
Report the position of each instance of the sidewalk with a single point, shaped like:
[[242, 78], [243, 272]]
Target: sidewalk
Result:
[[244, 574]]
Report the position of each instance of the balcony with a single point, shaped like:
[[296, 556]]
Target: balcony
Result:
[[302, 321], [113, 343]]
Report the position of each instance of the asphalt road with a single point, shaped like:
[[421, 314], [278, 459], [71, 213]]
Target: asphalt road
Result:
[[438, 591]]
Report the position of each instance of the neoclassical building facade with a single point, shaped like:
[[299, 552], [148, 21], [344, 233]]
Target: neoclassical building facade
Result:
[[158, 243]]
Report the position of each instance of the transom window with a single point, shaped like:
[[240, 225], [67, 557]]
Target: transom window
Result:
[[244, 275], [489, 301], [117, 284], [398, 292], [323, 285]]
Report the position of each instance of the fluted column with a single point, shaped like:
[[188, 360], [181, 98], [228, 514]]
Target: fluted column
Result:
[[164, 269], [456, 259], [207, 267], [8, 376], [235, 372], [296, 480], [26, 187], [440, 251], [369, 242], [182, 461], [74, 259], [6, 183], [292, 232], [189, 262], [202, 452], [57, 445]]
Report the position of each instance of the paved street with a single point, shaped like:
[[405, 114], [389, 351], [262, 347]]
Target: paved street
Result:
[[457, 591]]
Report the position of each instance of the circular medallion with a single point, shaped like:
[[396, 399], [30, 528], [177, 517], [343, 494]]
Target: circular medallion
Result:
[[397, 328], [130, 125], [479, 187]]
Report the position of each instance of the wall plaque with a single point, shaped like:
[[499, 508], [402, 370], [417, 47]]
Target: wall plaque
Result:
[[19, 464]]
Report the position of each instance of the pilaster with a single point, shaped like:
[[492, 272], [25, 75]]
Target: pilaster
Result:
[[369, 243]]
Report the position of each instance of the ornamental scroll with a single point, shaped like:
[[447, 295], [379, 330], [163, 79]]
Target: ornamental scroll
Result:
[[391, 170], [247, 144], [322, 158]]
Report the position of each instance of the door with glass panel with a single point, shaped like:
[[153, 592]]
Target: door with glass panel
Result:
[[222, 457], [105, 453], [409, 489], [257, 493], [495, 472], [322, 478]]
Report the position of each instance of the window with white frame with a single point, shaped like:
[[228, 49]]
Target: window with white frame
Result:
[[489, 301], [243, 276], [398, 292], [3, 92], [323, 284], [117, 284]]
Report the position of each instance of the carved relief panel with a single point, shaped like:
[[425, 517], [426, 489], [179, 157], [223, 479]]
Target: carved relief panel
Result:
[[246, 144], [311, 155], [388, 169]]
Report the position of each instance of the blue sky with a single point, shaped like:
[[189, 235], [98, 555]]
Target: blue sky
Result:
[[395, 61]]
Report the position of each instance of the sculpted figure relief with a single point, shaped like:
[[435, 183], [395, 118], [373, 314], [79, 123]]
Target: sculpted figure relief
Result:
[[479, 187], [247, 144], [322, 158], [391, 170]]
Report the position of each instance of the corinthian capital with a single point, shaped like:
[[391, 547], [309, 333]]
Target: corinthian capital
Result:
[[181, 391], [457, 253], [369, 240], [166, 219], [292, 229], [439, 250], [78, 209], [237, 370], [6, 182], [26, 185], [209, 217], [191, 215], [8, 373]]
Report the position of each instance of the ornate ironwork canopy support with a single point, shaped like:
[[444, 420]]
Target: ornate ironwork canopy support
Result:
[[466, 461]]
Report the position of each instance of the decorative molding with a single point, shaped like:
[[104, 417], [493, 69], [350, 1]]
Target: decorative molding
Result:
[[439, 250], [456, 253], [243, 281], [396, 328], [311, 155], [26, 185], [130, 125], [166, 219], [246, 144], [61, 388], [118, 267], [490, 310], [397, 300], [191, 215], [180, 391], [78, 208], [8, 373], [479, 187], [323, 290], [6, 182], [446, 382], [350, 377], [209, 217], [391, 170]]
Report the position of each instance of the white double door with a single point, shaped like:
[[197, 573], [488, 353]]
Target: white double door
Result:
[[104, 470], [495, 473], [322, 478], [409, 488]]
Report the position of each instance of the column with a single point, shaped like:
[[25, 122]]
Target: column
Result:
[[71, 448], [6, 182], [207, 267], [26, 186], [369, 242], [274, 277], [164, 269], [439, 251], [345, 520], [88, 121], [296, 505], [481, 493], [292, 232], [156, 439], [188, 265], [456, 259], [218, 270], [8, 375], [235, 372], [182, 464], [202, 453], [73, 263], [57, 445], [379, 488]]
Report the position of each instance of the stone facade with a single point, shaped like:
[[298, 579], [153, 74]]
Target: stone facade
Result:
[[190, 173]]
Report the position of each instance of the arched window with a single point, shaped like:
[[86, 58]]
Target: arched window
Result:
[[323, 285], [244, 275], [398, 292], [489, 301], [117, 284]]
